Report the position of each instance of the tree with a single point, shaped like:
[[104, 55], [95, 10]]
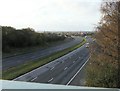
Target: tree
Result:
[[105, 58], [26, 37]]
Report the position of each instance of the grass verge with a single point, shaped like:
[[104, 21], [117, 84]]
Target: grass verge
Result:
[[29, 66]]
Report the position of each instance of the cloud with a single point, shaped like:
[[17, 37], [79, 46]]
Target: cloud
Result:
[[56, 15]]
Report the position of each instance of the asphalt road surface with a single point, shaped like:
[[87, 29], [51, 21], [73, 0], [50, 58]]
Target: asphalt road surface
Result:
[[21, 59], [79, 78], [61, 70]]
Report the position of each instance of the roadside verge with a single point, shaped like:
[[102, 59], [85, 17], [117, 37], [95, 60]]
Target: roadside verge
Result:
[[29, 66]]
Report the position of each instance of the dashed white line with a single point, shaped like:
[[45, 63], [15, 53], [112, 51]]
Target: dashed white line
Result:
[[77, 72], [65, 68], [37, 68], [52, 68], [34, 79], [73, 61], [50, 80]]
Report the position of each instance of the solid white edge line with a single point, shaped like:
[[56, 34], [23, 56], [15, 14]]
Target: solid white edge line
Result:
[[39, 67], [77, 72]]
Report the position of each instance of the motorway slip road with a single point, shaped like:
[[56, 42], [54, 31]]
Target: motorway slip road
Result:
[[59, 71], [21, 59]]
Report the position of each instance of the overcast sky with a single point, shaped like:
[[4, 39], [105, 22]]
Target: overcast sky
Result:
[[50, 15]]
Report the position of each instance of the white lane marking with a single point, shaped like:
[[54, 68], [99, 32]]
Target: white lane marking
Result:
[[52, 68], [34, 79], [79, 57], [32, 71], [77, 72], [73, 61], [43, 66], [65, 68], [50, 80]]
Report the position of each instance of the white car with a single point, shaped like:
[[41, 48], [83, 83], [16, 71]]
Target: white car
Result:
[[87, 45], [93, 40], [85, 36]]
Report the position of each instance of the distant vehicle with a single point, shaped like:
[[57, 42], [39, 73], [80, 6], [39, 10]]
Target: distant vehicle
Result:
[[93, 40], [85, 36], [87, 45], [72, 36]]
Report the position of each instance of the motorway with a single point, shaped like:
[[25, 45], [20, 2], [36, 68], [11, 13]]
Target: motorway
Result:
[[60, 71], [21, 59]]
